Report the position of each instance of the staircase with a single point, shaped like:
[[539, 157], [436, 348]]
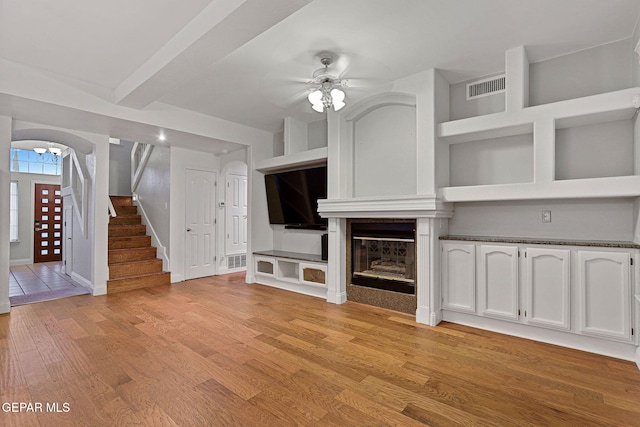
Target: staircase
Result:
[[132, 259]]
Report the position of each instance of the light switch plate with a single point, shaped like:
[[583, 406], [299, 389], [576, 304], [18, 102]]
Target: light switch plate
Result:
[[546, 216]]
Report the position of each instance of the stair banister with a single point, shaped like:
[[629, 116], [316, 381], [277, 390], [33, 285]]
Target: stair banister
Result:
[[139, 157], [75, 184], [112, 209]]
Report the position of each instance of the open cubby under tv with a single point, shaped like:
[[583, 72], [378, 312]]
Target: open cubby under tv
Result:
[[305, 227]]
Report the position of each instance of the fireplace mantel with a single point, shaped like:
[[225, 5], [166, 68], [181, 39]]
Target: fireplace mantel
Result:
[[427, 206]]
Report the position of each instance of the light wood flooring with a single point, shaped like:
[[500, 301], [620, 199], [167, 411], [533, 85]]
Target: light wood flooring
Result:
[[218, 352]]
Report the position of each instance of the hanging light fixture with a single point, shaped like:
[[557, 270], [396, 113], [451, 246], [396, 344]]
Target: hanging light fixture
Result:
[[54, 151], [328, 94]]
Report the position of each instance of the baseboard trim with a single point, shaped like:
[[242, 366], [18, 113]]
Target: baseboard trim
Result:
[[81, 280], [15, 262], [5, 307], [619, 350]]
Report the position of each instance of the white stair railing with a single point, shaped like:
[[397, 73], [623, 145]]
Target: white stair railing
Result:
[[75, 184], [112, 209], [139, 157]]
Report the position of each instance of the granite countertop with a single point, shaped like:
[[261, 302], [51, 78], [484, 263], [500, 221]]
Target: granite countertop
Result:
[[292, 255], [545, 241]]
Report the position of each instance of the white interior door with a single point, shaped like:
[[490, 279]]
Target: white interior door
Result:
[[236, 201], [200, 224]]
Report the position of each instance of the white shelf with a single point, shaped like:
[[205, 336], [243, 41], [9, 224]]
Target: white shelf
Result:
[[288, 273], [543, 123], [316, 156], [593, 109], [617, 186]]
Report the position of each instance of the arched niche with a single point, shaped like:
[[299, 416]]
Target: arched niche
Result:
[[382, 130]]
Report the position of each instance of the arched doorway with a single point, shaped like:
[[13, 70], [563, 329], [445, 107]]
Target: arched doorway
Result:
[[92, 269]]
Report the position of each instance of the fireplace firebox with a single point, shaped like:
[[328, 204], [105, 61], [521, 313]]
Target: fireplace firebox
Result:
[[383, 256]]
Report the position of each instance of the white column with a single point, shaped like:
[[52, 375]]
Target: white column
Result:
[[517, 79], [5, 179], [338, 186], [544, 151], [336, 265], [424, 312], [101, 217]]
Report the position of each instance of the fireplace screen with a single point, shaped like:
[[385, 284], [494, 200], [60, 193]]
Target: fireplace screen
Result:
[[384, 263]]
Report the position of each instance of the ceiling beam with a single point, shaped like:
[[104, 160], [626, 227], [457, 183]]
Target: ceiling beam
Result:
[[221, 28]]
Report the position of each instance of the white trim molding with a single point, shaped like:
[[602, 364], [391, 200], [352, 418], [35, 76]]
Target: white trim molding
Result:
[[428, 206]]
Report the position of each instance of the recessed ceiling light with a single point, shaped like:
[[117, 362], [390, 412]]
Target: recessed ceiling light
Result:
[[162, 137]]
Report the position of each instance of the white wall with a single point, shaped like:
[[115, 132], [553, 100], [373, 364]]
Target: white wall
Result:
[[120, 168], [605, 219], [384, 152], [461, 108], [317, 134], [5, 180], [153, 195], [22, 252], [498, 161], [593, 151], [600, 69], [292, 240]]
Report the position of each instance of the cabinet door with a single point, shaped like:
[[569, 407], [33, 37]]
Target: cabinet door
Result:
[[459, 277], [313, 274], [498, 281], [547, 281], [605, 294]]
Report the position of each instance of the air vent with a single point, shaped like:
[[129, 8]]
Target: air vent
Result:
[[236, 261], [486, 87]]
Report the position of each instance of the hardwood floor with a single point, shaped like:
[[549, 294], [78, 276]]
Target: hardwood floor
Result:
[[216, 351]]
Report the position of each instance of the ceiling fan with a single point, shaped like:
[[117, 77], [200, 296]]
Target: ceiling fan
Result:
[[327, 86]]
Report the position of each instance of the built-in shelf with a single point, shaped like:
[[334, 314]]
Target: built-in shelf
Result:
[[293, 271], [593, 109], [317, 156], [609, 187], [491, 168]]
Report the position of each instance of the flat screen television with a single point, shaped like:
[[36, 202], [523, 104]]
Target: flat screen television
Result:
[[292, 197]]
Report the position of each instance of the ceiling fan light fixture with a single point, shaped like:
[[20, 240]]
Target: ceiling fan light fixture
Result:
[[326, 94], [338, 99], [315, 98]]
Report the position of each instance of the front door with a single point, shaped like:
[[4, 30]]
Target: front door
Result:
[[200, 223], [47, 236], [236, 214]]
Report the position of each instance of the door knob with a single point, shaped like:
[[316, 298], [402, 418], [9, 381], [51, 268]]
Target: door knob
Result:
[[188, 229]]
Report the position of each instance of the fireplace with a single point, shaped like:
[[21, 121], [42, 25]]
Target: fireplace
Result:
[[382, 263]]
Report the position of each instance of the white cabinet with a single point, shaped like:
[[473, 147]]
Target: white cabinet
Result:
[[575, 289], [605, 294], [498, 281], [459, 277], [547, 287], [291, 271]]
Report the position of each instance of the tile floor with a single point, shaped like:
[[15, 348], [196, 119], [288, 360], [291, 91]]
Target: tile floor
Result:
[[37, 278]]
